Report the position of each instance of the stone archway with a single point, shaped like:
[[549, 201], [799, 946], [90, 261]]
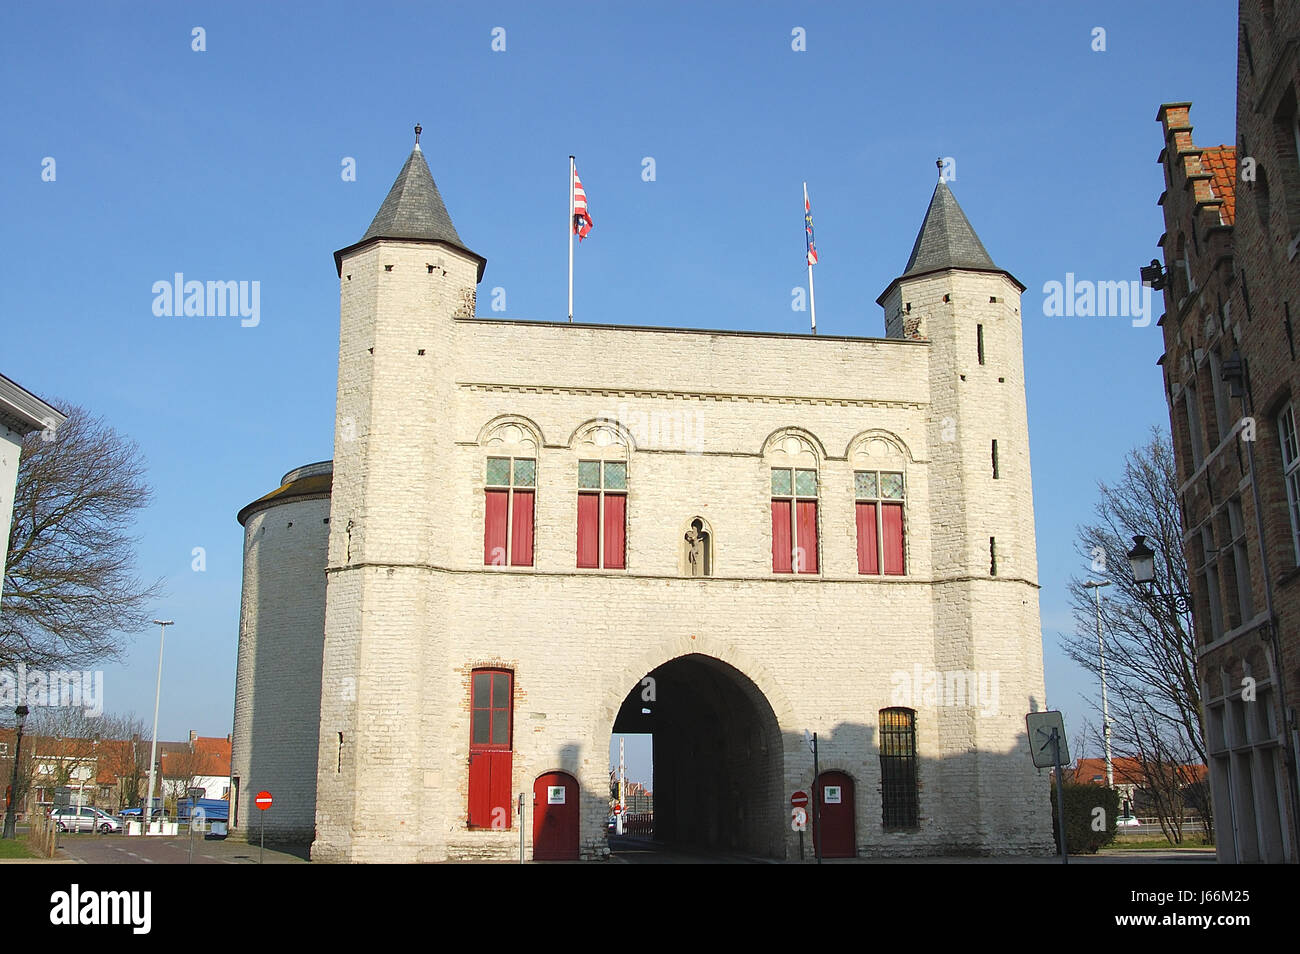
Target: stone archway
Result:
[[718, 756]]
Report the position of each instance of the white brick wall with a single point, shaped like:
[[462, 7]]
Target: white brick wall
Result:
[[410, 608]]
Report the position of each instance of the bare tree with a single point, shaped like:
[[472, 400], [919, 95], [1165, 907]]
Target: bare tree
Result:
[[125, 758], [182, 769], [1151, 670], [70, 589]]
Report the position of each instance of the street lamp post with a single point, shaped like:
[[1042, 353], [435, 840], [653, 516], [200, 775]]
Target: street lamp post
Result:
[[817, 814], [1105, 700], [146, 816], [1142, 560], [11, 822]]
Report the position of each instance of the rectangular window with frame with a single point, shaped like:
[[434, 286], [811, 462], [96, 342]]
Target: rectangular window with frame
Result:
[[898, 769], [794, 520], [878, 506], [602, 514], [1291, 472], [509, 488], [491, 801]]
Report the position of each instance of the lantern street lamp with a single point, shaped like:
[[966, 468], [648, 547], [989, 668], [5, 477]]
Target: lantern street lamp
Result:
[[11, 822], [1143, 561]]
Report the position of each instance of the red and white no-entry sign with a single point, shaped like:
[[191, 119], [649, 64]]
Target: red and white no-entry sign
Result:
[[263, 800], [799, 799]]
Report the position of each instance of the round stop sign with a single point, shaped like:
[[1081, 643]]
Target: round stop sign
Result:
[[798, 799], [263, 800]]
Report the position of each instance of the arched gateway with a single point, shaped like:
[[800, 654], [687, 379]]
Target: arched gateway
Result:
[[718, 756]]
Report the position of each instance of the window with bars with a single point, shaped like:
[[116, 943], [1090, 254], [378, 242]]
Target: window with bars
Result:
[[878, 506], [508, 492], [1291, 472], [794, 520], [898, 790], [490, 748], [602, 514]]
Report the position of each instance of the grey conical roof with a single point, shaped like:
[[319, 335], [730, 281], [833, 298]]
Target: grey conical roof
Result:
[[414, 208], [946, 239]]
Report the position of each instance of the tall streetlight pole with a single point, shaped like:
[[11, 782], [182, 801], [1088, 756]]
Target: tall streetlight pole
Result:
[[11, 823], [146, 815], [1105, 700]]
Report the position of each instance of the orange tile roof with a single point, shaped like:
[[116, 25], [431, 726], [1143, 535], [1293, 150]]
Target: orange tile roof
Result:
[[1127, 771], [204, 763], [1221, 163]]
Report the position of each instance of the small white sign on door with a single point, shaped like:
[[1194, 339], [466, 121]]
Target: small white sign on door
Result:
[[554, 794], [832, 794]]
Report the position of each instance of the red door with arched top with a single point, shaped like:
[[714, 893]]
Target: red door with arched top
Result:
[[555, 817], [835, 833]]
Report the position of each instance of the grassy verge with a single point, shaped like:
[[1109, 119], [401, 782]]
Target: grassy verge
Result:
[[1158, 842], [15, 848]]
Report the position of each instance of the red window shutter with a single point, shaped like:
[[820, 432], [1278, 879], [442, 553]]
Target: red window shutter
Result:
[[500, 797], [494, 528], [490, 796], [868, 559], [781, 536], [806, 515], [480, 779], [521, 529], [615, 530], [892, 519], [588, 529]]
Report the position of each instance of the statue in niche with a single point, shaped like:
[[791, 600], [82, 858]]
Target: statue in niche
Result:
[[697, 549]]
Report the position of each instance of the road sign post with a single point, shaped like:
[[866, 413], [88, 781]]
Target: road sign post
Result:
[[263, 802], [799, 804], [1048, 748]]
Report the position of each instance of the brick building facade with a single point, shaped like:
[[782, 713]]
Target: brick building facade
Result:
[[535, 534], [1232, 229]]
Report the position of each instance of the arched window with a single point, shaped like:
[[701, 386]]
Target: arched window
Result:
[[898, 768], [603, 451], [793, 463], [509, 489], [879, 496]]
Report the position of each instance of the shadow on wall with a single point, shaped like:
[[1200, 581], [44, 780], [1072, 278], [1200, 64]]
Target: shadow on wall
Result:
[[724, 773]]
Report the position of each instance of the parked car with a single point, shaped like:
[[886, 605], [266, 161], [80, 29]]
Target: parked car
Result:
[[84, 819], [134, 813]]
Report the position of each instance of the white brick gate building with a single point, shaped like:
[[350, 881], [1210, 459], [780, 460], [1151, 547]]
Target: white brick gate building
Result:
[[537, 533]]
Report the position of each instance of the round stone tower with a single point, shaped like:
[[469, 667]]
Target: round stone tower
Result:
[[281, 634]]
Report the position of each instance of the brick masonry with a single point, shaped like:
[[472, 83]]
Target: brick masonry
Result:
[[1232, 215], [426, 393]]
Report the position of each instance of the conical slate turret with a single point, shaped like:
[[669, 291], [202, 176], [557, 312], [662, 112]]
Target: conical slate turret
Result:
[[414, 208], [414, 211], [946, 239]]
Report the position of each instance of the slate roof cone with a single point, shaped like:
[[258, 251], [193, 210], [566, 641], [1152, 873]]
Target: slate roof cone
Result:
[[414, 211], [946, 240]]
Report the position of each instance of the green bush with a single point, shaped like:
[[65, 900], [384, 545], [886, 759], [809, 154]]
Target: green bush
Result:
[[1081, 804]]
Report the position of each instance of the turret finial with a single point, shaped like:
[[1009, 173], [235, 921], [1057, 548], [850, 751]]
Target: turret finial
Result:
[[417, 135]]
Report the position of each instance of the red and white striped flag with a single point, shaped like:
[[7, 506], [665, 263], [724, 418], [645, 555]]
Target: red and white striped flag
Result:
[[581, 217]]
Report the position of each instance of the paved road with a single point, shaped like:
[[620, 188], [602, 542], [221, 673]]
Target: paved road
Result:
[[635, 851], [166, 850]]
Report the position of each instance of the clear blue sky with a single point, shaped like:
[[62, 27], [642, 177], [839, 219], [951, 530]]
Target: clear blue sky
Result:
[[225, 164]]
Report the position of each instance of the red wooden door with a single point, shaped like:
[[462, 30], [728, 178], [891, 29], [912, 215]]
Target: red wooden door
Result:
[[555, 817], [836, 835]]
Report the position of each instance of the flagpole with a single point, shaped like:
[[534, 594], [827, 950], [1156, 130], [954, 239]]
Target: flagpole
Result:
[[571, 214], [812, 299]]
